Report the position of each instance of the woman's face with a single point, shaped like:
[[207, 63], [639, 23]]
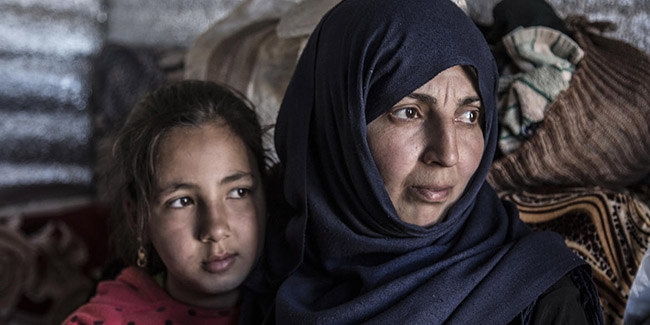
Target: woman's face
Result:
[[208, 214], [428, 146]]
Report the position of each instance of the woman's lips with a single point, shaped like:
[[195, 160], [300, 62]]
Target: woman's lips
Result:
[[431, 194], [218, 264]]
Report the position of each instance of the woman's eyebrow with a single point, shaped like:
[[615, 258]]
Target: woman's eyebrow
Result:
[[429, 100], [469, 100], [432, 101]]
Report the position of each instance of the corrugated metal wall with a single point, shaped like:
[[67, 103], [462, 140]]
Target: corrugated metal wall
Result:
[[47, 49], [45, 127], [165, 23]]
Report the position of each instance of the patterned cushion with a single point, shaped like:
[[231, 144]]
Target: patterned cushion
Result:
[[610, 230]]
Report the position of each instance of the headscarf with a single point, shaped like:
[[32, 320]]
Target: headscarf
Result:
[[353, 260]]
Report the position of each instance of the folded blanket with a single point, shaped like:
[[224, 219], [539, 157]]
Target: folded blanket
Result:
[[545, 59]]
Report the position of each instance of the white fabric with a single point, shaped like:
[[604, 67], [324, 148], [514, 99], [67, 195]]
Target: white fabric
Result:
[[637, 310]]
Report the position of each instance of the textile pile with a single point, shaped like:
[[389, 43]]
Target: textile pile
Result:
[[581, 167], [595, 132]]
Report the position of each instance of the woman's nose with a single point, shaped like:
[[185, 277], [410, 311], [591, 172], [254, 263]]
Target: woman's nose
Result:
[[440, 145], [214, 225]]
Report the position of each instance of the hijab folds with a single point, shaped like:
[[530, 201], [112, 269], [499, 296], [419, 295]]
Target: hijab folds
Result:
[[353, 260]]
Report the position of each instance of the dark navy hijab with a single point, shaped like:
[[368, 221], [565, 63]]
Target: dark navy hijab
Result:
[[351, 258]]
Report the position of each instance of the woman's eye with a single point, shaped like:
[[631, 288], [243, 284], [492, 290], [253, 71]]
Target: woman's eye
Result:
[[239, 193], [470, 117], [180, 202], [405, 113]]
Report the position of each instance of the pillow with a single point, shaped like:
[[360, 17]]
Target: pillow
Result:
[[595, 133]]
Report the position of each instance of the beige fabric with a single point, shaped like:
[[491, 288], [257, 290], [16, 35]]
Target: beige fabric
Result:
[[259, 63]]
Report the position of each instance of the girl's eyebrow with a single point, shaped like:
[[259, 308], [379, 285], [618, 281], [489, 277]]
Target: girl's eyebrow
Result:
[[174, 186], [432, 101], [179, 185], [429, 100], [237, 176]]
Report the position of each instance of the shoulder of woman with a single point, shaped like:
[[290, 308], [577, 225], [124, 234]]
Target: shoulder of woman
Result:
[[560, 304]]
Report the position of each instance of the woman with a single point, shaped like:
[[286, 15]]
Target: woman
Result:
[[386, 133]]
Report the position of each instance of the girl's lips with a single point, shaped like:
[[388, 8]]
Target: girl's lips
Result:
[[431, 194], [218, 264]]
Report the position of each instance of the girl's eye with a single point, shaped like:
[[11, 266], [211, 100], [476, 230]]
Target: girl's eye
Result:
[[469, 117], [405, 113], [239, 193], [180, 202]]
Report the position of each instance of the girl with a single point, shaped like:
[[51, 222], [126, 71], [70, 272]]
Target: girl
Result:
[[189, 209]]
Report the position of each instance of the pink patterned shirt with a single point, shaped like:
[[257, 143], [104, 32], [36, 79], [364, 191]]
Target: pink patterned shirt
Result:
[[134, 298]]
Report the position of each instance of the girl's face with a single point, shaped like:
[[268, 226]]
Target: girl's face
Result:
[[428, 146], [208, 214]]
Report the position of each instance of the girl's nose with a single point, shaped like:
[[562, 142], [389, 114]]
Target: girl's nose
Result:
[[214, 225], [439, 140]]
